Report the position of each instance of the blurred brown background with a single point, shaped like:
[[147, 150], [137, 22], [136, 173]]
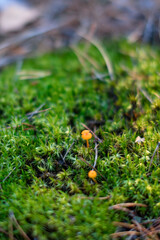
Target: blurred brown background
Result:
[[29, 26]]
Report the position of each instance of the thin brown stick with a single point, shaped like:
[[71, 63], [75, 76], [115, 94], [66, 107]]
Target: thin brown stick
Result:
[[153, 233], [142, 229], [68, 151], [146, 95], [85, 56], [80, 58], [156, 150], [156, 94], [45, 110], [130, 205], [91, 61], [148, 222], [27, 124], [158, 155], [3, 231], [122, 209], [104, 55], [125, 225], [96, 154], [31, 114], [14, 220], [125, 233], [6, 233], [11, 237], [90, 34], [8, 175], [95, 136], [156, 223], [26, 129], [157, 227]]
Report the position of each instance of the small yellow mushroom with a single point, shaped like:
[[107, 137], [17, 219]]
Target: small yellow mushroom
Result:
[[92, 174], [86, 135]]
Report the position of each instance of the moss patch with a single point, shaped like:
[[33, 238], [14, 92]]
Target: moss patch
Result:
[[42, 191]]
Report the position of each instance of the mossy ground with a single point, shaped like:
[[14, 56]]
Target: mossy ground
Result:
[[42, 192]]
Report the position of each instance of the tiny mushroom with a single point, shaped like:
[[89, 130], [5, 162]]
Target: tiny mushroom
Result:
[[86, 135], [92, 174]]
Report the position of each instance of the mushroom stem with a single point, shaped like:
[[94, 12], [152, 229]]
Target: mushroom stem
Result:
[[94, 180], [87, 143]]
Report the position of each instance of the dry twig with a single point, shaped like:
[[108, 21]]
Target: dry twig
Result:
[[156, 150], [30, 115], [116, 207], [11, 237], [14, 220], [104, 55], [123, 224], [125, 233], [64, 157], [129, 205], [80, 58], [6, 233], [136, 229], [96, 154], [141, 228], [85, 56], [8, 175], [146, 95]]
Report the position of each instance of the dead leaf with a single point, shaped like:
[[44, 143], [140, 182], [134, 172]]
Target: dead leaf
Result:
[[16, 16], [139, 140]]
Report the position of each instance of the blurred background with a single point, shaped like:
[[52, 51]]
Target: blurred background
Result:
[[29, 27]]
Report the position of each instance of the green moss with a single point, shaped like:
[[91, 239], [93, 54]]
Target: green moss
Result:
[[42, 191]]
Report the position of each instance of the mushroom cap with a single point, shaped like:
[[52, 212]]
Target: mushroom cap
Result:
[[86, 135], [92, 174], [85, 131]]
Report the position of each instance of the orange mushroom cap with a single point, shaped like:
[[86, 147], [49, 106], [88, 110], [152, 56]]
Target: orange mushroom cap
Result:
[[92, 174], [86, 135], [85, 131]]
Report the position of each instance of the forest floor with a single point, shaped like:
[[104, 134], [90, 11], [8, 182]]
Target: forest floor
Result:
[[45, 104]]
